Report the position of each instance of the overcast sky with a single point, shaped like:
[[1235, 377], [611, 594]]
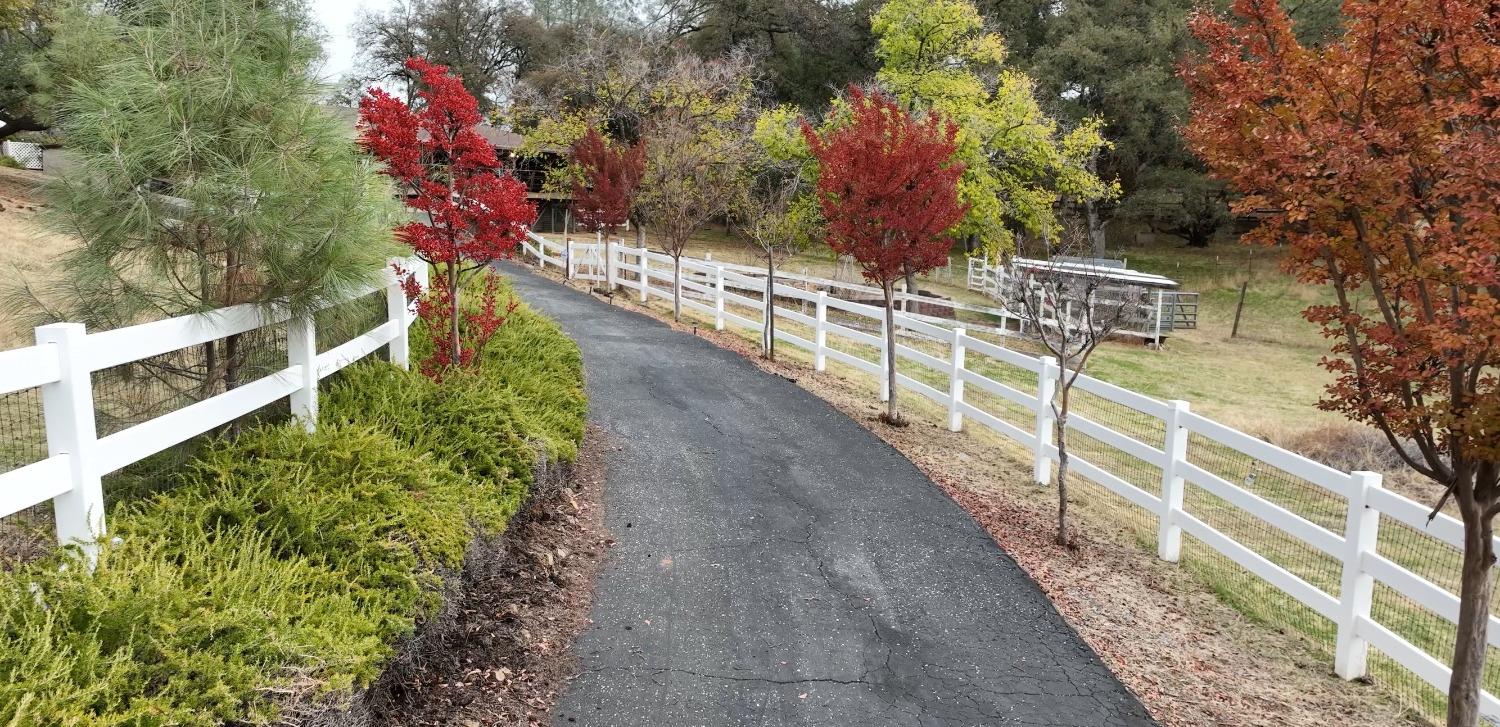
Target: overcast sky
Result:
[[336, 17]]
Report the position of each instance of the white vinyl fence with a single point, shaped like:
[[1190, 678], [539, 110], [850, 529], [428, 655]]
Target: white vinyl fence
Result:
[[1327, 541], [65, 356]]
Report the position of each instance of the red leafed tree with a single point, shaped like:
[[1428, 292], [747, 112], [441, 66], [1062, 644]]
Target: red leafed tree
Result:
[[470, 212], [602, 198], [1379, 156], [888, 190]]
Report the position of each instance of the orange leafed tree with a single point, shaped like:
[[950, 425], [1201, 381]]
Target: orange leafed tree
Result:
[[1378, 158]]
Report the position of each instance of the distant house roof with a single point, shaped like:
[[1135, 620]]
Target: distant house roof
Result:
[[503, 139]]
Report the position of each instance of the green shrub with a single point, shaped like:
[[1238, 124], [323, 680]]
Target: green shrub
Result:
[[186, 632], [543, 369], [9, 162], [465, 424], [540, 369], [282, 562]]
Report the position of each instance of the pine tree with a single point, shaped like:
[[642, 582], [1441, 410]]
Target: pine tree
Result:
[[207, 176]]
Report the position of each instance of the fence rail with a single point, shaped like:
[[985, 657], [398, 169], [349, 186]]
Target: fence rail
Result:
[[62, 363], [1010, 393]]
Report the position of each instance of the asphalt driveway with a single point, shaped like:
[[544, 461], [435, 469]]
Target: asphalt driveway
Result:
[[779, 565]]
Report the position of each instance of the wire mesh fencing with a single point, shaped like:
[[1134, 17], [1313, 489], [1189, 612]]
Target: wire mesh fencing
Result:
[[23, 441], [1140, 523], [23, 432], [1246, 591], [1439, 563], [139, 391]]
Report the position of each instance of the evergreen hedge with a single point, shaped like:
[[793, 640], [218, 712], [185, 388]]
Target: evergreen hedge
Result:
[[283, 563]]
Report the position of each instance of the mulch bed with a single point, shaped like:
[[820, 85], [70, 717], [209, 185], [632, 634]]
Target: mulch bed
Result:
[[506, 659]]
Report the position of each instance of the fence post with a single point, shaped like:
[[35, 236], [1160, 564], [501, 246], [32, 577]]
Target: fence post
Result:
[[399, 310], [820, 333], [956, 383], [1168, 532], [568, 259], [1357, 588], [718, 297], [1157, 339], [645, 273], [302, 350], [68, 408], [1046, 387]]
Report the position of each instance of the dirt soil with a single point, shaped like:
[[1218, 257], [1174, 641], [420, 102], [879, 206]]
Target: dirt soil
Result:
[[1190, 658], [510, 659]]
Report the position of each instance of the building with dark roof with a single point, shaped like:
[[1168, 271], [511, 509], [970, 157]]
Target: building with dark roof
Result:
[[532, 169]]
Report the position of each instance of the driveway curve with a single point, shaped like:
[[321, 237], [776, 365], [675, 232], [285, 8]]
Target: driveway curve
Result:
[[777, 564]]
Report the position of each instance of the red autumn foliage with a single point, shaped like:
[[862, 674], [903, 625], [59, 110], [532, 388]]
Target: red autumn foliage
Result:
[[1379, 156], [888, 191], [887, 186], [435, 308], [472, 212], [612, 172]]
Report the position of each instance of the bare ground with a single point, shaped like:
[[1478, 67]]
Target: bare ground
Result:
[[508, 659], [1189, 657], [28, 253]]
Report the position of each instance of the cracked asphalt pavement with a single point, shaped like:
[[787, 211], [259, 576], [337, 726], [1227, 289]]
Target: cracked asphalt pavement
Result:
[[777, 564]]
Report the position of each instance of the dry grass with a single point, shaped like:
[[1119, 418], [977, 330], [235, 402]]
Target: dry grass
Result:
[[27, 253]]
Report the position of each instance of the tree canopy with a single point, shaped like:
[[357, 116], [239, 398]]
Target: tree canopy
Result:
[[1376, 153], [1019, 162], [205, 174], [888, 190], [472, 213]]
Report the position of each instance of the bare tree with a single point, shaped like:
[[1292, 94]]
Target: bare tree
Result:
[[1070, 310], [697, 146], [472, 37], [778, 219], [689, 181]]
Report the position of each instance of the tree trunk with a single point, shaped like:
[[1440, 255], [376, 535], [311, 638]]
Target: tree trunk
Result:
[[892, 415], [677, 287], [1239, 308], [456, 347], [911, 285], [1475, 587], [210, 370], [233, 356], [609, 264], [1096, 228], [1061, 429], [640, 234], [768, 334]]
